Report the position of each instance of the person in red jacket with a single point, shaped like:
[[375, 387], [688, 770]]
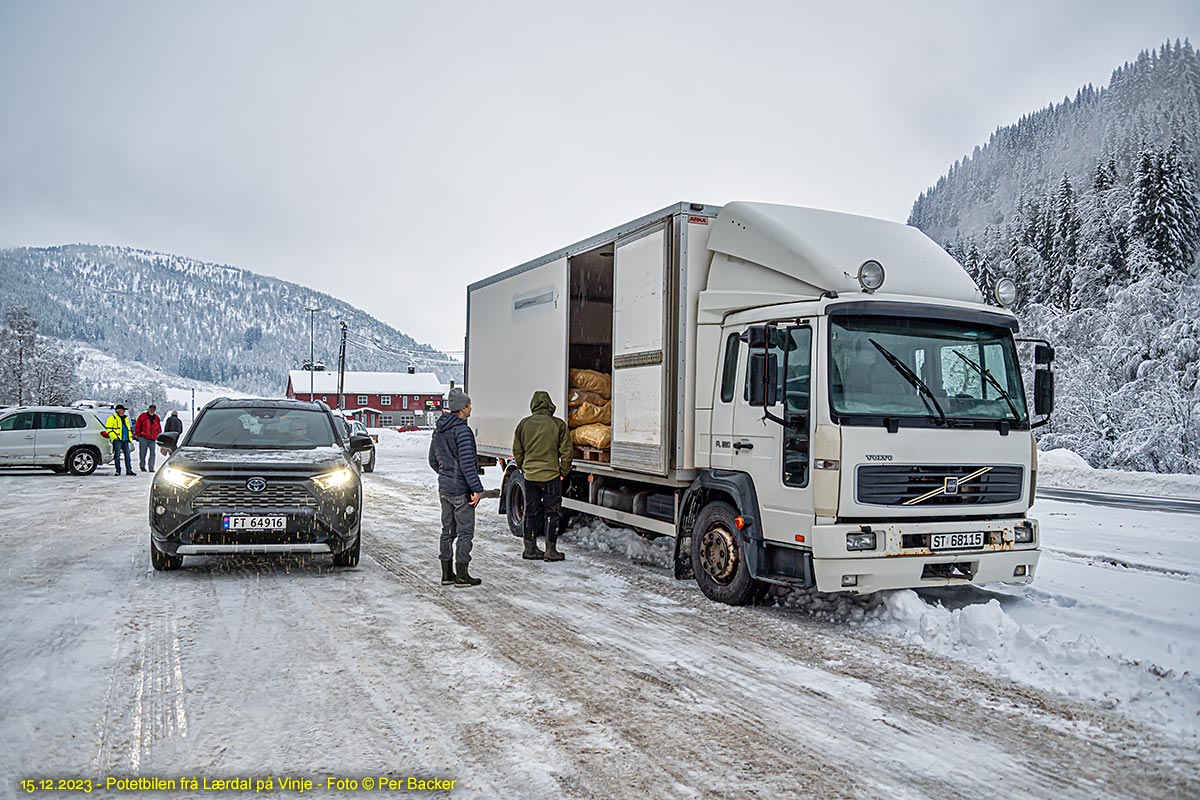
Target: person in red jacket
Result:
[[146, 431]]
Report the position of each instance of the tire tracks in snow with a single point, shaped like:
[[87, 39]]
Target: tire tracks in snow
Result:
[[754, 704]]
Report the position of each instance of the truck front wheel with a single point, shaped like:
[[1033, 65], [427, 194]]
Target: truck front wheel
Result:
[[718, 560]]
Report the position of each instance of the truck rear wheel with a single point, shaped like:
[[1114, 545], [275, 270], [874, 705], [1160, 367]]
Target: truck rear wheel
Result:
[[718, 560], [514, 502]]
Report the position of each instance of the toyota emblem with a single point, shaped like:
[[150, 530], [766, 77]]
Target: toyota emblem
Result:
[[256, 484]]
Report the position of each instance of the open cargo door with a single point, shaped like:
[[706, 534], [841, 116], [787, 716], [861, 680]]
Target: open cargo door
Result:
[[516, 345], [640, 437]]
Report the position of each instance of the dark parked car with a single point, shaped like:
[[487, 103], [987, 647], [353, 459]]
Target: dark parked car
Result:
[[258, 476]]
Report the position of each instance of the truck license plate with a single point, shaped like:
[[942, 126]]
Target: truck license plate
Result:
[[254, 523], [956, 541]]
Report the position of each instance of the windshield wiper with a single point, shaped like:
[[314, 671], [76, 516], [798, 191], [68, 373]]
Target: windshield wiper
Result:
[[995, 384], [912, 377]]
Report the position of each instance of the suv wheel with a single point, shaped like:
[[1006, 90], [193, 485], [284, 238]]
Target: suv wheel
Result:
[[349, 556], [82, 461], [370, 465], [163, 562]]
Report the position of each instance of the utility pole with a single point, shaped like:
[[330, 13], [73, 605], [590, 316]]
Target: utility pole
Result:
[[342, 366], [312, 312]]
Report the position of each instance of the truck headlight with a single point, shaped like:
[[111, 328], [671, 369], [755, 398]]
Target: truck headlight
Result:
[[860, 541], [332, 480], [1023, 533], [1005, 292], [870, 275], [177, 477]]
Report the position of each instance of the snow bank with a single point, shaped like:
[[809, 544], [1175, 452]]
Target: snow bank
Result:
[[1064, 469], [595, 535]]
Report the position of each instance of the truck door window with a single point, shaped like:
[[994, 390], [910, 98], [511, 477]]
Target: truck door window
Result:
[[729, 370], [797, 400]]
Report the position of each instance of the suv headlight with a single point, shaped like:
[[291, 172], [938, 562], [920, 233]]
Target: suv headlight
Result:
[[332, 480], [177, 477]]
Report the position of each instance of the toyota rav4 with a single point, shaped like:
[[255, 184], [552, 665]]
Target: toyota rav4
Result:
[[258, 476]]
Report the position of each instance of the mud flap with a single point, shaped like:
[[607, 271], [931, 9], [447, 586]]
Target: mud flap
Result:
[[683, 558]]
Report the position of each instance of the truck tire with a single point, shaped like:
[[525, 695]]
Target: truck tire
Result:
[[718, 560], [163, 562], [82, 461], [514, 502]]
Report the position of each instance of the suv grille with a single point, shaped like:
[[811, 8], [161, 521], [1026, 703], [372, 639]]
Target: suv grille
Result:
[[892, 485], [234, 495]]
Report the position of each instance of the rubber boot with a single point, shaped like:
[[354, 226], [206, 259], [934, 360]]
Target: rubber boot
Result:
[[532, 553], [448, 576], [464, 578], [552, 551]]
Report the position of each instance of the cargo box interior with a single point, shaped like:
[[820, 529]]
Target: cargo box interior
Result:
[[591, 310]]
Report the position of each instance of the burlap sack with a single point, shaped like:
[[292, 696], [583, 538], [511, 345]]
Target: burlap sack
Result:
[[577, 397], [592, 381], [589, 414], [597, 436]]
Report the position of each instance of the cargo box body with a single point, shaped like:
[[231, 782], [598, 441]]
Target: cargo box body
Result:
[[623, 303]]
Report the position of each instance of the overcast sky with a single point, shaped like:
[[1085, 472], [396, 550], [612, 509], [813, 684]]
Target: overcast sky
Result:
[[391, 153]]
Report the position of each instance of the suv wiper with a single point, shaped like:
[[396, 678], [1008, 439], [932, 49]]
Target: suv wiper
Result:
[[912, 377], [995, 384]]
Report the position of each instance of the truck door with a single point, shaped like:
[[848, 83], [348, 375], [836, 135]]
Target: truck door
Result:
[[640, 438], [777, 457]]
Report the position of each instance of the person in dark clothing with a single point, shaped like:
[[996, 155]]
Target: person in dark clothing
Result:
[[542, 451], [173, 424], [146, 431], [453, 456]]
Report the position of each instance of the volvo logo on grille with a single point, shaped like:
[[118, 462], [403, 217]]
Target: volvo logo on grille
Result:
[[256, 484], [950, 486]]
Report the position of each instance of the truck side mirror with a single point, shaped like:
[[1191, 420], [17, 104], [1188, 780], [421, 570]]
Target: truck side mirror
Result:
[[759, 363], [1043, 392], [755, 336], [1043, 354]]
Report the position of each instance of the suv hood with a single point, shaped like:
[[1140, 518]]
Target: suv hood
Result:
[[208, 459]]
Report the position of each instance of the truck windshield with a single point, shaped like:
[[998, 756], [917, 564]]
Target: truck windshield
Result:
[[262, 429], [898, 367]]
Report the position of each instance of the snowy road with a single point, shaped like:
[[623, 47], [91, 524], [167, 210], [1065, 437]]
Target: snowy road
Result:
[[596, 677]]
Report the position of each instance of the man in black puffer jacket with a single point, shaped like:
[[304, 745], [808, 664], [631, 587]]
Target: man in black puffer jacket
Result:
[[453, 456]]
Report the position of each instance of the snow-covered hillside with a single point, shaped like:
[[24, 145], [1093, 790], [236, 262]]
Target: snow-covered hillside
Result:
[[206, 322]]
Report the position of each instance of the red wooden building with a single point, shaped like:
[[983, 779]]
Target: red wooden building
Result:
[[379, 399]]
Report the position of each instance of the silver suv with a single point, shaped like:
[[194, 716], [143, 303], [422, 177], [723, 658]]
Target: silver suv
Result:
[[63, 439]]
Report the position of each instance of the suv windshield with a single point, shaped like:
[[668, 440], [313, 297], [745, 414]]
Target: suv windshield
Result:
[[897, 367], [262, 428]]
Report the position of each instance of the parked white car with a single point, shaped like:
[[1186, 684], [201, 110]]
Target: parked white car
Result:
[[60, 438]]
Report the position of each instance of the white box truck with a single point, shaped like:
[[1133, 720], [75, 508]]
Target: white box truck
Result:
[[799, 397]]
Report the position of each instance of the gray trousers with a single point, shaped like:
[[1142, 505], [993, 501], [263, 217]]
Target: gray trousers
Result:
[[145, 444], [458, 523]]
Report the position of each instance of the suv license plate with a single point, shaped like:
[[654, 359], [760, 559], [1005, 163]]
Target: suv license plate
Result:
[[254, 523], [955, 541]]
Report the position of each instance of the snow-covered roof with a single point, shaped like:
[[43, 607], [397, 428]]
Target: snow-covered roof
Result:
[[822, 250], [326, 382]]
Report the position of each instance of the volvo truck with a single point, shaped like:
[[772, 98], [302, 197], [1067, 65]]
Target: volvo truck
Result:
[[798, 397]]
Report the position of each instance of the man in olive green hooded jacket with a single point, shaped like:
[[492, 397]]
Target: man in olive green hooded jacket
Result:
[[542, 451]]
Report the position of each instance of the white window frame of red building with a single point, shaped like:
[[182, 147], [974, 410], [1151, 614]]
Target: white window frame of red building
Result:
[[385, 399], [386, 420], [405, 399], [363, 399]]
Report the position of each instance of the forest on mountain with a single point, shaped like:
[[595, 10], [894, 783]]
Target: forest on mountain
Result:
[[1091, 207], [207, 322]]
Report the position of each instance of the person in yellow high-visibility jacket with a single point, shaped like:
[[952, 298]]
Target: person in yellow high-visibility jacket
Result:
[[119, 429]]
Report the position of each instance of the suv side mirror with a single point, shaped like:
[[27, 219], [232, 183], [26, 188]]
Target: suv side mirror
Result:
[[168, 439], [360, 442]]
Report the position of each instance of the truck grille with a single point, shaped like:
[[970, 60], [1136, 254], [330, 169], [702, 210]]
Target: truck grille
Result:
[[892, 485], [233, 495]]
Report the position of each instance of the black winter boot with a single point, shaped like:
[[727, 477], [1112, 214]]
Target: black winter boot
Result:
[[552, 552], [447, 573], [532, 553], [464, 578]]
